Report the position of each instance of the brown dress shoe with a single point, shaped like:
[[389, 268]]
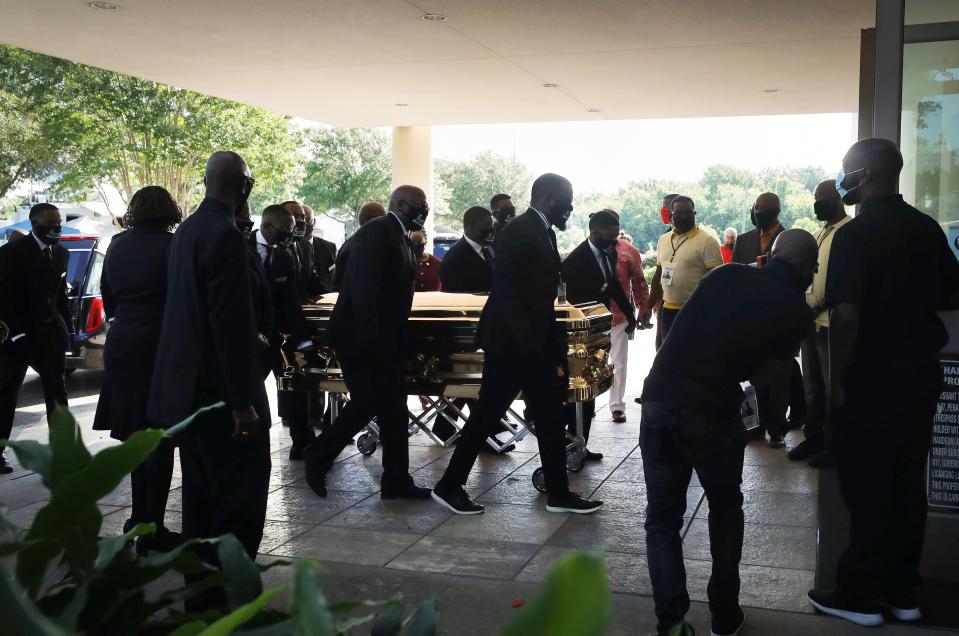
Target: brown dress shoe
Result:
[[619, 417]]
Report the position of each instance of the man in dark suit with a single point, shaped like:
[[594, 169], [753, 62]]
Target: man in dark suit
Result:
[[208, 353], [368, 332], [523, 350], [273, 243], [759, 241], [468, 266], [323, 255], [35, 311], [590, 275], [501, 205], [367, 212]]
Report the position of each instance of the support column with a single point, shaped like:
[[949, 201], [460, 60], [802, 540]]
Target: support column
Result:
[[413, 163]]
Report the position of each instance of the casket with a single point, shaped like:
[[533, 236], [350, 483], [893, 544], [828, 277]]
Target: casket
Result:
[[444, 359]]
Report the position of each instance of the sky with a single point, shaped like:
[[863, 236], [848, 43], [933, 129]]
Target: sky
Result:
[[604, 156]]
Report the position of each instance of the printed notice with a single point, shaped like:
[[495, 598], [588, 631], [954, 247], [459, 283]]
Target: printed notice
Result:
[[943, 479]]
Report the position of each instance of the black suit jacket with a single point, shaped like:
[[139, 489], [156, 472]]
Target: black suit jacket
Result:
[[33, 296], [207, 344], [376, 292], [520, 312], [284, 285], [584, 281], [463, 270], [747, 247], [324, 258], [340, 266]]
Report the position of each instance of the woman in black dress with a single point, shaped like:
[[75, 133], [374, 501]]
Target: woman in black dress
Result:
[[134, 292]]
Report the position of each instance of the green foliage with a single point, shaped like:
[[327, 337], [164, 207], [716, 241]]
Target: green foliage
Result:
[[347, 167], [463, 184], [573, 601], [105, 128]]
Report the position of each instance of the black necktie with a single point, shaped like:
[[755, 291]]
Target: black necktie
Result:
[[606, 273], [487, 255], [559, 261], [268, 261]]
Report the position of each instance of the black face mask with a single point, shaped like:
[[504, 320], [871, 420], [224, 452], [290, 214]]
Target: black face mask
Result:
[[299, 230], [503, 215], [245, 227], [606, 245], [284, 239], [559, 214], [48, 235], [419, 250], [765, 219], [826, 209], [486, 236], [683, 222]]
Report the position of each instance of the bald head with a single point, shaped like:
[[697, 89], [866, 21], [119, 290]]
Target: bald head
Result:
[[227, 179], [369, 211], [799, 249], [766, 211], [405, 193], [871, 168], [409, 203], [552, 195]]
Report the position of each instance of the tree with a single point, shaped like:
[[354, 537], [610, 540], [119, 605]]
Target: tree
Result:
[[128, 133], [476, 180], [347, 167]]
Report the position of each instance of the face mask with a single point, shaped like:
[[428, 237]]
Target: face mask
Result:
[[503, 215], [731, 246], [416, 216], [299, 230], [665, 216], [48, 235], [284, 238], [419, 250], [245, 227], [245, 189], [487, 237], [605, 245], [683, 222], [559, 214], [825, 209], [848, 192], [765, 219]]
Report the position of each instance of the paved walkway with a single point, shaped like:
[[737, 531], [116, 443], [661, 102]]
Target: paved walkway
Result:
[[478, 564]]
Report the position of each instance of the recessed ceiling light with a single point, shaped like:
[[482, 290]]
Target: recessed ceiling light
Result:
[[594, 110], [550, 85], [434, 17], [105, 6], [400, 104], [772, 90]]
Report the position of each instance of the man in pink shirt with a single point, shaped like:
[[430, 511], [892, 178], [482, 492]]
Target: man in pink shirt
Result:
[[629, 271]]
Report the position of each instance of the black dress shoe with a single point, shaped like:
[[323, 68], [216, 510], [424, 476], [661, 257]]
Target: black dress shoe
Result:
[[162, 540], [456, 499], [408, 490], [728, 625], [593, 457], [296, 454], [486, 448], [802, 451], [5, 468], [571, 502], [316, 470], [822, 459], [865, 613]]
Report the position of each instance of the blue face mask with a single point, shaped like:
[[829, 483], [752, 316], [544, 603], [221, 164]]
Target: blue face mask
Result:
[[841, 189]]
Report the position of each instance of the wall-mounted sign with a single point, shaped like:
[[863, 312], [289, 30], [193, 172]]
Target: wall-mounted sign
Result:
[[942, 483]]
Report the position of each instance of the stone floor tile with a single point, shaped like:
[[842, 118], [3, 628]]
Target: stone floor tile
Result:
[[630, 497], [23, 491], [631, 470], [417, 517], [612, 446], [276, 533], [347, 545], [285, 472], [769, 479], [519, 489], [770, 588], [591, 470], [627, 573], [763, 544], [776, 508], [604, 531], [466, 557], [477, 483], [301, 505], [504, 522]]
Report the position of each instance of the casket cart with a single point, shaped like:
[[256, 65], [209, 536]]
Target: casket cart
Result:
[[446, 368]]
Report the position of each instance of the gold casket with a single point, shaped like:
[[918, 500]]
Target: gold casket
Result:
[[444, 359]]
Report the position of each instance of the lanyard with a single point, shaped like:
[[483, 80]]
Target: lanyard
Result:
[[823, 233], [676, 247]]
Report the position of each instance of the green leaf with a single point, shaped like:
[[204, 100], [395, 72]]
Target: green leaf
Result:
[[108, 548], [389, 622], [68, 452], [20, 615], [33, 456], [283, 628], [229, 623], [309, 612], [349, 606], [573, 601], [241, 579], [344, 626], [177, 428], [423, 621]]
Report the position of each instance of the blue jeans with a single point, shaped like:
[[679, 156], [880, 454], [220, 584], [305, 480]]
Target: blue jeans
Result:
[[674, 442]]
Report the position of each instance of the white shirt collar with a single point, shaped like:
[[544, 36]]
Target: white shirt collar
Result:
[[261, 240], [403, 227], [42, 245], [476, 246], [542, 217], [596, 250]]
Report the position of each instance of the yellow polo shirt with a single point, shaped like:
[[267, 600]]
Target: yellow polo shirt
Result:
[[690, 256], [816, 294]]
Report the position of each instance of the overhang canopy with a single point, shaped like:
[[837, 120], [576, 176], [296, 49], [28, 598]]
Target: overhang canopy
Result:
[[353, 62]]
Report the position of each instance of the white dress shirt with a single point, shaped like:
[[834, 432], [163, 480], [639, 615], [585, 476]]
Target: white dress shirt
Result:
[[477, 247], [262, 247]]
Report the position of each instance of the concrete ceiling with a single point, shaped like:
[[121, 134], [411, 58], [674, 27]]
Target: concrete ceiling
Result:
[[350, 62]]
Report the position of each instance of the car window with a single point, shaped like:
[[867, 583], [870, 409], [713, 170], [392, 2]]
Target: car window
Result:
[[96, 272], [77, 269]]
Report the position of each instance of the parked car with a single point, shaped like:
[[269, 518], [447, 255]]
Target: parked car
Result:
[[84, 272]]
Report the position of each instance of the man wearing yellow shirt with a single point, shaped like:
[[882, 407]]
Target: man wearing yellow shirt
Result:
[[817, 448], [685, 255]]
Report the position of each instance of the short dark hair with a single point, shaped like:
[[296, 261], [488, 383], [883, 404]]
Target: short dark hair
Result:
[[152, 205], [474, 215], [497, 198], [272, 212], [39, 209], [682, 199], [603, 219]]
